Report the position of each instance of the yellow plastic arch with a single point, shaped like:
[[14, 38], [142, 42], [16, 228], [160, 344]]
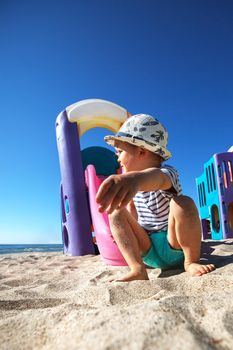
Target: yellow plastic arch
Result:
[[94, 113]]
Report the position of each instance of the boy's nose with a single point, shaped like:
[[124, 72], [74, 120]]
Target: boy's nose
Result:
[[119, 161]]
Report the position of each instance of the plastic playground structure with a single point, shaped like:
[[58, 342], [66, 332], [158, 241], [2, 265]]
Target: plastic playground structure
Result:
[[215, 194], [82, 172]]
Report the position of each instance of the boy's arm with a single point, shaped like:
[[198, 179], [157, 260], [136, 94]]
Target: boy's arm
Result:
[[117, 190], [131, 208], [153, 179]]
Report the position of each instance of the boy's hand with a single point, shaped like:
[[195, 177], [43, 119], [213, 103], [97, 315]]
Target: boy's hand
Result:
[[116, 192]]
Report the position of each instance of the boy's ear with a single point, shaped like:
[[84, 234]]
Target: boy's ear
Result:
[[142, 151]]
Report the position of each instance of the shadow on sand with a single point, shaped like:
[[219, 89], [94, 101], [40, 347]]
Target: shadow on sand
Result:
[[223, 248]]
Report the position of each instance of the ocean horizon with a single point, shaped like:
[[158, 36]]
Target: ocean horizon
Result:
[[27, 248]]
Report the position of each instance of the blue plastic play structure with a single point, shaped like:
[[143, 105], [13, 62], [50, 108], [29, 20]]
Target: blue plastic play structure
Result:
[[215, 194]]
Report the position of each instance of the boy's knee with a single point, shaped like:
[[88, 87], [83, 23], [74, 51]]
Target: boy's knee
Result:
[[183, 206]]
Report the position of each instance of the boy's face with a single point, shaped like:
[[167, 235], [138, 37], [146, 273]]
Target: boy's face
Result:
[[127, 156]]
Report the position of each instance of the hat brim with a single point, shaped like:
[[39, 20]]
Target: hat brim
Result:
[[157, 149]]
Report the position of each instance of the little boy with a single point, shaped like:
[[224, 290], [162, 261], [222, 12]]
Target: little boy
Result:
[[151, 222]]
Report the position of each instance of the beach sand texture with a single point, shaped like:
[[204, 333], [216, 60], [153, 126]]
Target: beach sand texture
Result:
[[51, 301]]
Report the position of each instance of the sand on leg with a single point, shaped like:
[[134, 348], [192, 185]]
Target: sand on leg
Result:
[[184, 232], [132, 240]]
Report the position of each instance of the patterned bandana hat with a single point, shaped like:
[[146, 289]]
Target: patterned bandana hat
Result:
[[144, 131]]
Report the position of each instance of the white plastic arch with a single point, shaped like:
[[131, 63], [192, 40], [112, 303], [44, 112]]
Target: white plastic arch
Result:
[[92, 113]]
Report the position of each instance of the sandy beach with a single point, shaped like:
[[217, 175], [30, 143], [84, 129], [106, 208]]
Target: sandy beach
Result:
[[51, 301]]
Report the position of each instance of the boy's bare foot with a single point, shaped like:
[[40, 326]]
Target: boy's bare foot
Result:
[[198, 269], [132, 276]]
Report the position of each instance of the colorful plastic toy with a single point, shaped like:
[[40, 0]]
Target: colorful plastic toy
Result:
[[80, 180], [215, 194]]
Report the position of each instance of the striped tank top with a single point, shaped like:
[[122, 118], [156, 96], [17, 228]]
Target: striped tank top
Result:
[[153, 207]]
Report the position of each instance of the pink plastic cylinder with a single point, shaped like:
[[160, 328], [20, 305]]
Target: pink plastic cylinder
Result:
[[108, 249]]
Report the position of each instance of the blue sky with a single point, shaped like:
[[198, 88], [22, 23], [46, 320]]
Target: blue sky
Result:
[[169, 58]]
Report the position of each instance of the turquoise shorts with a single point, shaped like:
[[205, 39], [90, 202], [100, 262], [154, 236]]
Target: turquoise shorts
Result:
[[161, 254]]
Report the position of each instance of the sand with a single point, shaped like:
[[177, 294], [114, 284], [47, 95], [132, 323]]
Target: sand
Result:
[[52, 301]]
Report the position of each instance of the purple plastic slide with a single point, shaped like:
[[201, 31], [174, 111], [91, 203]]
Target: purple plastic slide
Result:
[[78, 212]]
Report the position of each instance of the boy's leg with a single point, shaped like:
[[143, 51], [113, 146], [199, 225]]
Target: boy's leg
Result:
[[132, 241], [184, 232]]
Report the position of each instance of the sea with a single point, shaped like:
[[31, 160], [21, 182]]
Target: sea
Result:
[[28, 248]]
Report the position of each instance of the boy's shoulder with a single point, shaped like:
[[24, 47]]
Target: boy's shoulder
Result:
[[168, 167], [173, 174]]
